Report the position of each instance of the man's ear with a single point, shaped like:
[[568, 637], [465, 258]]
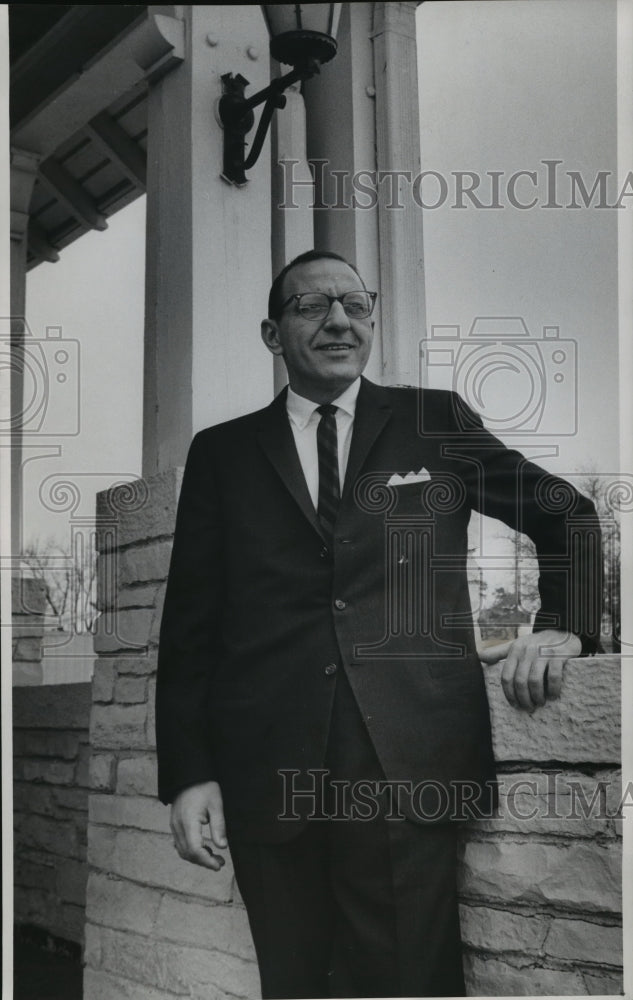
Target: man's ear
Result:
[[270, 336]]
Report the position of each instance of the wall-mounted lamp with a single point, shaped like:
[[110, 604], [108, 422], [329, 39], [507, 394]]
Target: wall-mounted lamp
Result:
[[302, 36]]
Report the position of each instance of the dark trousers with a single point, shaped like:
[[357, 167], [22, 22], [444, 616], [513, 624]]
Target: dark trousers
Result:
[[353, 907]]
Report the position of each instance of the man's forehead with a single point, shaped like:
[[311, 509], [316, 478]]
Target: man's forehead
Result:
[[318, 275]]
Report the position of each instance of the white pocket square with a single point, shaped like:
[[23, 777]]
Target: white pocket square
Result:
[[423, 476]]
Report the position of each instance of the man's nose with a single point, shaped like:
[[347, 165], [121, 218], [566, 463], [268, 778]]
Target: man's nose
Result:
[[337, 318]]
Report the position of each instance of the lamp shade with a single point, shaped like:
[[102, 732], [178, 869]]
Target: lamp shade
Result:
[[300, 33]]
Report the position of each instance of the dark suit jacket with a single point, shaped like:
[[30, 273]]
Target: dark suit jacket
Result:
[[257, 606]]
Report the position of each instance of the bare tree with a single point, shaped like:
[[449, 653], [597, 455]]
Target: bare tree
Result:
[[69, 579]]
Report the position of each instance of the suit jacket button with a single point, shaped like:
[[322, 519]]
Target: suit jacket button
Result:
[[331, 669], [324, 553], [339, 604]]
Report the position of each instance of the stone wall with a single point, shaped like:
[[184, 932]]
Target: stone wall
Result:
[[157, 927], [541, 883], [540, 898], [50, 739]]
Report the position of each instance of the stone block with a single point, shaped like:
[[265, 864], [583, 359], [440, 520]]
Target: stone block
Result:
[[150, 858], [123, 630], [92, 942], [581, 876], [177, 969], [130, 690], [108, 580], [113, 902], [28, 596], [144, 563], [221, 928], [102, 772], [141, 665], [101, 840], [136, 776], [602, 984], [82, 771], [486, 977], [582, 941], [100, 985], [32, 905], [71, 881], [103, 680], [118, 727], [27, 649], [129, 811], [561, 803], [142, 509], [488, 929], [73, 800], [143, 596], [29, 798], [53, 706], [27, 626], [51, 772], [34, 875], [582, 725], [49, 836], [42, 909], [45, 743]]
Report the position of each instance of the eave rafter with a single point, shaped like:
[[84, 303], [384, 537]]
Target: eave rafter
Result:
[[120, 148], [70, 192]]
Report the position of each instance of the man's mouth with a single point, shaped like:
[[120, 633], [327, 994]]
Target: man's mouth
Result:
[[335, 347]]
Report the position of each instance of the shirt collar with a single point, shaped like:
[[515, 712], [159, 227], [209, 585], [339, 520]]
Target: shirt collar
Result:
[[300, 409]]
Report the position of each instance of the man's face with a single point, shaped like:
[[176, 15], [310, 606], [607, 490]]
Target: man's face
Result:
[[322, 356]]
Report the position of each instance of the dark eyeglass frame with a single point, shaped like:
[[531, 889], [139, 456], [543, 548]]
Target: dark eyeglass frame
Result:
[[331, 299]]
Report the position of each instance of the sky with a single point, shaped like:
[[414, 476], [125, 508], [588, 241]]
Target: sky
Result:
[[95, 293], [504, 85]]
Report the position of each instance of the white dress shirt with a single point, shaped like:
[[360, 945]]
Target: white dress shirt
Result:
[[304, 421]]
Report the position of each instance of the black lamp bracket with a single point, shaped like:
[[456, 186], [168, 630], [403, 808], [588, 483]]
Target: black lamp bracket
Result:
[[237, 118]]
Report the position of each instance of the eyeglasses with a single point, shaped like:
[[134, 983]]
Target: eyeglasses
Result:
[[316, 305]]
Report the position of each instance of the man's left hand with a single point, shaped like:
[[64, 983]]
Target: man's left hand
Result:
[[533, 668]]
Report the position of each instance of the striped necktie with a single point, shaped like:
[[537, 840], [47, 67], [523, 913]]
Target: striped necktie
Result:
[[327, 450]]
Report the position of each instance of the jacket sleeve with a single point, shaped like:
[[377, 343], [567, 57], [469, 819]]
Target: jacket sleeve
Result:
[[562, 523], [190, 630]]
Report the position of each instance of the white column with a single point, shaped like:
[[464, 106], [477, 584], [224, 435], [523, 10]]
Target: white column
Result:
[[24, 166], [208, 243], [400, 229], [341, 131], [292, 217]]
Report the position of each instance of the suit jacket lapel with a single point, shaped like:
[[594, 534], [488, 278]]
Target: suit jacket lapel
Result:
[[277, 441], [373, 411]]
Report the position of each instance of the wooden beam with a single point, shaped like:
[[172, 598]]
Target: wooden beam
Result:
[[146, 52], [70, 192], [119, 147], [39, 245]]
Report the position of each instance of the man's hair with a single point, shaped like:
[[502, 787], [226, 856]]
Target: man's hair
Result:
[[276, 296]]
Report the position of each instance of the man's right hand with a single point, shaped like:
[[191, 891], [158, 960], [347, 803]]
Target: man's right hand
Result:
[[191, 810]]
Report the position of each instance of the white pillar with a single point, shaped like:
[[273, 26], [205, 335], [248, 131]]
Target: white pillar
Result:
[[24, 166], [400, 229], [208, 243], [341, 131], [292, 217]]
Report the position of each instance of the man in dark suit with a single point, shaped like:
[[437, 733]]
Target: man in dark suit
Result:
[[320, 698]]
